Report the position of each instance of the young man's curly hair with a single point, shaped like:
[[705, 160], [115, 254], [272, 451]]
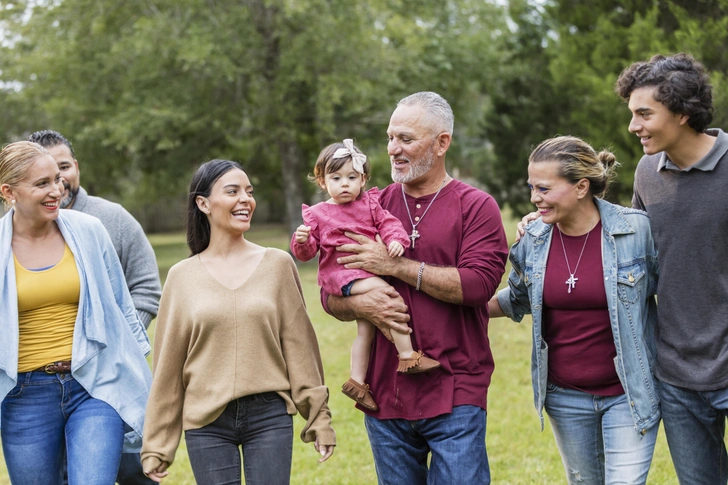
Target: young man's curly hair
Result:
[[682, 86]]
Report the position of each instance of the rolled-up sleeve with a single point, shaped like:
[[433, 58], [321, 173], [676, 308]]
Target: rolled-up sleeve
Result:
[[483, 253], [515, 301]]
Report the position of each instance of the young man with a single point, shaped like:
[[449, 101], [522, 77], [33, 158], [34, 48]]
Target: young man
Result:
[[444, 281], [681, 183], [131, 245]]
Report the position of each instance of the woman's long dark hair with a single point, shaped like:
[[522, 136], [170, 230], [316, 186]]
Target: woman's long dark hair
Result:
[[198, 227]]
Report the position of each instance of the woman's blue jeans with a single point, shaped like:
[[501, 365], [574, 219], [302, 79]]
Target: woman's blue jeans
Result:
[[597, 438], [260, 424], [47, 417]]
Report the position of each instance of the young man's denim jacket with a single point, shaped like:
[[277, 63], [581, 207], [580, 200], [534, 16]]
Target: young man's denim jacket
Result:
[[629, 260], [109, 341]]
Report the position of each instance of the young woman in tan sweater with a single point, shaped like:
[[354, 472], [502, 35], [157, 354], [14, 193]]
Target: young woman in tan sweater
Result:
[[235, 355]]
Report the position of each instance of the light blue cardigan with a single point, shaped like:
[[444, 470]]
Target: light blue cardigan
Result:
[[109, 341]]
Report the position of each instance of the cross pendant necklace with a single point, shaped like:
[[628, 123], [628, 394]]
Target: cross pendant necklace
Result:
[[415, 233], [571, 282], [414, 236]]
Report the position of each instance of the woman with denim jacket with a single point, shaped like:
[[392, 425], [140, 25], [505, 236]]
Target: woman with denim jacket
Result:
[[74, 379], [587, 273]]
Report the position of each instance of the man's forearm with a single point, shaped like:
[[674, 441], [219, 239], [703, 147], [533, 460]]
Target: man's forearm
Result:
[[383, 307], [494, 308], [342, 308], [442, 283]]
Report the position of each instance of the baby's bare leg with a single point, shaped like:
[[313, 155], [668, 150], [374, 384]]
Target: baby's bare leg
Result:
[[361, 349], [402, 341]]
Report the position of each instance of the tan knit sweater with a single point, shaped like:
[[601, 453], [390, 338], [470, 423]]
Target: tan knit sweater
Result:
[[213, 345]]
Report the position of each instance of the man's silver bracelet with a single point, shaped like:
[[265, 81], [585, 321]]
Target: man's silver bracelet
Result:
[[419, 276]]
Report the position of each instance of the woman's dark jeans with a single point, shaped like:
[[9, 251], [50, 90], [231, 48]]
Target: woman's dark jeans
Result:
[[262, 426]]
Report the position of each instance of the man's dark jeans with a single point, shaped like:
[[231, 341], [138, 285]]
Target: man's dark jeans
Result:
[[131, 472], [695, 426]]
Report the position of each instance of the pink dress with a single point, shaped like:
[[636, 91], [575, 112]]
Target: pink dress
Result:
[[328, 222]]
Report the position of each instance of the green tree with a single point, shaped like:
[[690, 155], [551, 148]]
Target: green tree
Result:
[[566, 57], [526, 106], [149, 89]]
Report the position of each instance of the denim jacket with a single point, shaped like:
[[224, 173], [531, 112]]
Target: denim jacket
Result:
[[629, 261], [109, 341]]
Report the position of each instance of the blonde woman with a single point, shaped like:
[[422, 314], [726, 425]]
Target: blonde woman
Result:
[[74, 379], [587, 273]]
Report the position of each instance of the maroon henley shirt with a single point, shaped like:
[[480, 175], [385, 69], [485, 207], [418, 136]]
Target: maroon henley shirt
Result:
[[461, 229]]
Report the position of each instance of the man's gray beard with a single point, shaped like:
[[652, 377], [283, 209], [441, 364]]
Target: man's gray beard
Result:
[[68, 201], [416, 169]]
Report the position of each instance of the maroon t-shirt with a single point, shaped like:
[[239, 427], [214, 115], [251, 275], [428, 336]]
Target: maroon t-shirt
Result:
[[462, 229], [576, 325]]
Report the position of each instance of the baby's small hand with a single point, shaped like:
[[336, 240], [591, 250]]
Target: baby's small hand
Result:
[[395, 249], [302, 233]]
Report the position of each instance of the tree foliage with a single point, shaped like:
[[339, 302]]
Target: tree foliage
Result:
[[565, 59], [147, 90]]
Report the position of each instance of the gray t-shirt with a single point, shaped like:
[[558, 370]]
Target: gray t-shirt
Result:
[[689, 214]]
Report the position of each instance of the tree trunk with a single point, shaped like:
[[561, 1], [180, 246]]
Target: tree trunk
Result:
[[266, 22], [290, 154]]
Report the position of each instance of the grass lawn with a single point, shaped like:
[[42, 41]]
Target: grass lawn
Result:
[[518, 451]]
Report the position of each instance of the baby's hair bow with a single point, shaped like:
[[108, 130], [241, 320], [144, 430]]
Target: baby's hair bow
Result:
[[357, 159]]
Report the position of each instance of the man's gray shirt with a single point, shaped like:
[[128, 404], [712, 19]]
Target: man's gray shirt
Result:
[[689, 214], [134, 251]]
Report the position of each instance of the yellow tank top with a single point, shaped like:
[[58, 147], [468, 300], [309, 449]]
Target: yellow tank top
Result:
[[47, 309]]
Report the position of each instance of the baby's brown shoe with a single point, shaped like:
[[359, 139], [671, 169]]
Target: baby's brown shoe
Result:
[[416, 363], [360, 393]]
